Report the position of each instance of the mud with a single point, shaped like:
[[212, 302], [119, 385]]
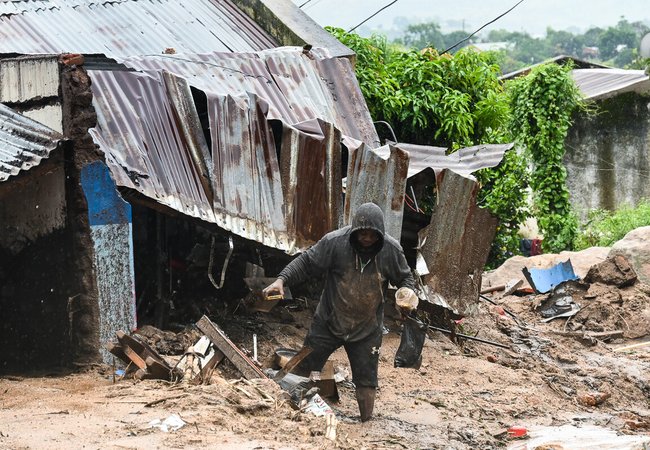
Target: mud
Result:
[[465, 395]]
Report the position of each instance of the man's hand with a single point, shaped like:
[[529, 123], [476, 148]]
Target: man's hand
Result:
[[406, 300], [277, 287]]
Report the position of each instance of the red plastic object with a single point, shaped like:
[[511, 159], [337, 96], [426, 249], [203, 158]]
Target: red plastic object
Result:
[[517, 431]]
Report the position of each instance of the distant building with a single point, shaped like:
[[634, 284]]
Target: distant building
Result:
[[492, 46]]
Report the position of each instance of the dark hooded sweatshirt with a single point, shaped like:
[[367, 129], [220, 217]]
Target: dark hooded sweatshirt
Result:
[[352, 303]]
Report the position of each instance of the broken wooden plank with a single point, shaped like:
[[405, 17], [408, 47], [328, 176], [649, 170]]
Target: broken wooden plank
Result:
[[158, 370], [116, 350], [134, 357], [208, 368], [632, 347], [242, 362]]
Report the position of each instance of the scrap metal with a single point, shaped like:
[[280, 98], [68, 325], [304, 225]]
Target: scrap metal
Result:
[[24, 142], [457, 242], [150, 129]]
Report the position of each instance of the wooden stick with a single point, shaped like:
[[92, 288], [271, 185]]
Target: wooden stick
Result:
[[630, 347], [161, 400]]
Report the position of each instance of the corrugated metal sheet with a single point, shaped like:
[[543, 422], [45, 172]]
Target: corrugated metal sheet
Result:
[[23, 142], [378, 177], [149, 128], [602, 83], [26, 78], [465, 161], [457, 242], [124, 28], [297, 87]]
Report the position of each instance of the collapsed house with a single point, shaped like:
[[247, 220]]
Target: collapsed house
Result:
[[151, 149]]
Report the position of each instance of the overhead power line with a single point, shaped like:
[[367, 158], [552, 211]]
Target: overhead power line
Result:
[[492, 21], [354, 28]]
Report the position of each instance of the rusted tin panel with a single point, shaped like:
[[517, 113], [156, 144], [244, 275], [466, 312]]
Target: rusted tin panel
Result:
[[23, 142], [147, 127], [457, 242], [145, 150], [377, 179], [234, 74], [323, 87], [123, 28], [311, 180], [248, 196], [297, 87], [463, 161]]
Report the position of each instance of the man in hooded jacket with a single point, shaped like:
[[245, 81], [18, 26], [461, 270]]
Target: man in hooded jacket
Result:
[[358, 261]]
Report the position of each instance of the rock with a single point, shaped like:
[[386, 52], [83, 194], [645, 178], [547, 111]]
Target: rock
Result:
[[615, 270], [593, 398], [635, 246]]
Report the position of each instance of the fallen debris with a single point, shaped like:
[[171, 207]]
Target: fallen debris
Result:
[[242, 362], [150, 364], [544, 280]]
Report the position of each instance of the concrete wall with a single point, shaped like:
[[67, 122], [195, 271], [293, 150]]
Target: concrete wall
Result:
[[289, 25], [608, 155], [34, 285]]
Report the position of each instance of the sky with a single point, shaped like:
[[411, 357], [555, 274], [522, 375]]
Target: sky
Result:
[[532, 16]]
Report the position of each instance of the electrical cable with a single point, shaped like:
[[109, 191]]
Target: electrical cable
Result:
[[492, 21], [391, 3]]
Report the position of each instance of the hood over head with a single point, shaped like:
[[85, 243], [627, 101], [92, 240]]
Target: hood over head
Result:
[[367, 217]]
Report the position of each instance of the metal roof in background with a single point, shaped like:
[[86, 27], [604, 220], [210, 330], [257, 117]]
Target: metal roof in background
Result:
[[603, 83], [24, 143], [464, 161], [378, 176], [128, 27]]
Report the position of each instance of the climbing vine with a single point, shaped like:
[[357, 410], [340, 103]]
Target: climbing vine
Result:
[[542, 104]]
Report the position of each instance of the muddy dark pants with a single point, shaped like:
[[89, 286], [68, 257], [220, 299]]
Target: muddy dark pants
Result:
[[363, 355]]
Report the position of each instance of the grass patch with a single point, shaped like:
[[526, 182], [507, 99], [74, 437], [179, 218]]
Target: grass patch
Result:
[[603, 227]]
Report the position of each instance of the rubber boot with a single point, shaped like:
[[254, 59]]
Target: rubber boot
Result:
[[366, 401]]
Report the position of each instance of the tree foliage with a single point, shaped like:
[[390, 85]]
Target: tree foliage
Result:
[[449, 101], [542, 106]]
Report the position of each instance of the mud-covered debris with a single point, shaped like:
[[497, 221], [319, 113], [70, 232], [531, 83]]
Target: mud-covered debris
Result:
[[168, 342], [593, 398], [614, 271]]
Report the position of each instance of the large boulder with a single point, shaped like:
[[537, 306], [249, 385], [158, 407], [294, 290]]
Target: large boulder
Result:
[[635, 247]]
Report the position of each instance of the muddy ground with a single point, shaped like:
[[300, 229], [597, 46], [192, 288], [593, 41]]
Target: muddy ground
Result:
[[464, 396]]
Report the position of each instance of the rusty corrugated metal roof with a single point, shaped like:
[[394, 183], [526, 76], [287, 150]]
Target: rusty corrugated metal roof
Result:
[[24, 143], [149, 128], [602, 83], [464, 161], [297, 87], [128, 27]]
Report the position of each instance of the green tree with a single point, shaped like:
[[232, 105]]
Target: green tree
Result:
[[423, 35], [451, 101], [542, 106]]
